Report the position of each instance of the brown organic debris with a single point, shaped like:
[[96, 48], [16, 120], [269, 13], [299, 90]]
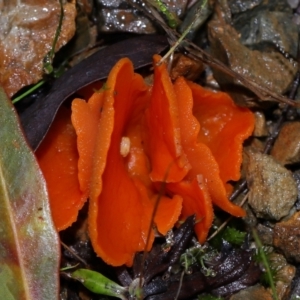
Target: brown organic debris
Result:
[[187, 67], [26, 36], [268, 69]]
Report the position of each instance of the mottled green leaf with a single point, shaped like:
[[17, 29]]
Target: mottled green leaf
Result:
[[29, 245]]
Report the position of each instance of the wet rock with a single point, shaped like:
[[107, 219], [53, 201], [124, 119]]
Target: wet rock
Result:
[[267, 69], [284, 274], [272, 188], [265, 234], [256, 292], [286, 149], [112, 3], [185, 66], [283, 285], [260, 128], [120, 16], [254, 145], [268, 30], [27, 29], [124, 20], [287, 237], [251, 7], [242, 5], [175, 6], [250, 219]]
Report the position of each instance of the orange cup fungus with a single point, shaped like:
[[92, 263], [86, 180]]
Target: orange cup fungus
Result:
[[130, 138]]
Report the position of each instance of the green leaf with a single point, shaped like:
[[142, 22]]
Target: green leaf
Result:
[[29, 244], [99, 284]]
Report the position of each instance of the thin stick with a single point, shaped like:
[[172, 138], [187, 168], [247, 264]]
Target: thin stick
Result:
[[75, 254], [156, 204], [226, 221], [180, 285], [184, 34]]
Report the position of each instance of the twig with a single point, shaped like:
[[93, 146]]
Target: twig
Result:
[[222, 226], [75, 254], [155, 208], [180, 285]]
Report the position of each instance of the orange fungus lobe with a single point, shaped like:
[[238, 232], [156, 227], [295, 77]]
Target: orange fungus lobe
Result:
[[132, 138]]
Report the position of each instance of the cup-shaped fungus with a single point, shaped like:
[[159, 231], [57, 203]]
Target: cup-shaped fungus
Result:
[[133, 139]]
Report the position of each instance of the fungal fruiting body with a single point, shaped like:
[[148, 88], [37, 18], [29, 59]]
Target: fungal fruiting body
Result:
[[132, 138]]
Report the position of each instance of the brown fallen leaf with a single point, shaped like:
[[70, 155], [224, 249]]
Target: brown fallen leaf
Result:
[[26, 36]]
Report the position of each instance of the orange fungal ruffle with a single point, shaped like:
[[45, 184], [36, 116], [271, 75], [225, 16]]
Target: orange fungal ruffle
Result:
[[58, 157], [132, 138]]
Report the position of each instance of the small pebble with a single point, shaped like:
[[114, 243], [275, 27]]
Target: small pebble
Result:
[[256, 292], [260, 128], [286, 149], [284, 274], [265, 234], [286, 237], [272, 188]]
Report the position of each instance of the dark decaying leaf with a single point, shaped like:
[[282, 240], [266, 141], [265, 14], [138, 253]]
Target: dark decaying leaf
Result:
[[164, 260], [29, 245], [233, 271], [37, 119]]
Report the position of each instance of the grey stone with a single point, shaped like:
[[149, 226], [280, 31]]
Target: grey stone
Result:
[[265, 234], [238, 6], [272, 188], [284, 274], [268, 30], [124, 20]]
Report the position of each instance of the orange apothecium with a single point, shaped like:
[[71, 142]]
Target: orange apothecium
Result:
[[58, 158], [132, 137]]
